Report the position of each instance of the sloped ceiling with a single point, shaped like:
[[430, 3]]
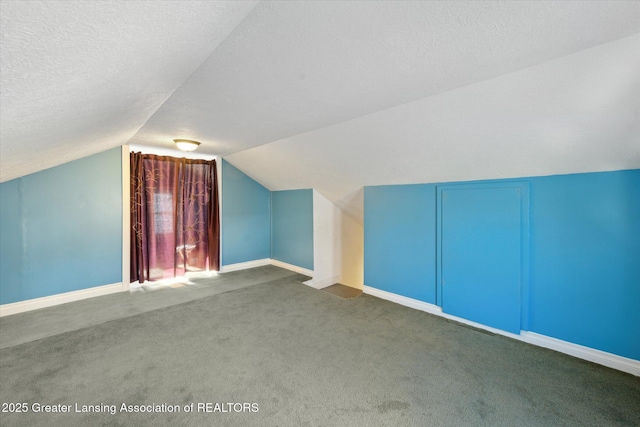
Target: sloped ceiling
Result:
[[329, 95], [80, 77], [578, 113]]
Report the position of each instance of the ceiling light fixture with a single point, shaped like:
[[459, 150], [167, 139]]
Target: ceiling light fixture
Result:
[[186, 144]]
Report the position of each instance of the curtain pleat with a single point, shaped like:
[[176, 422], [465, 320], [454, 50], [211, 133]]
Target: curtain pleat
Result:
[[175, 223], [213, 223]]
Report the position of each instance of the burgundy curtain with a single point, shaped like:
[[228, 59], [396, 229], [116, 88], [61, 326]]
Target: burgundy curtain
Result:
[[174, 216]]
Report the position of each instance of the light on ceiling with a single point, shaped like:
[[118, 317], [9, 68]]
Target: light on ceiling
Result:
[[186, 144]]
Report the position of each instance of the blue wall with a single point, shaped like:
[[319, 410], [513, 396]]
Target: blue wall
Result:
[[584, 260], [400, 240], [62, 229], [292, 227], [259, 224], [246, 217]]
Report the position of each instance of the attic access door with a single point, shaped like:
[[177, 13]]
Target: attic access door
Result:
[[480, 248]]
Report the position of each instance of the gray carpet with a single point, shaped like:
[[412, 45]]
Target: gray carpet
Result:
[[25, 327], [306, 358], [343, 291]]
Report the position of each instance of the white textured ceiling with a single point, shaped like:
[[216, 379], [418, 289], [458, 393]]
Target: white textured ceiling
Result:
[[79, 77], [330, 95], [578, 113], [291, 67]]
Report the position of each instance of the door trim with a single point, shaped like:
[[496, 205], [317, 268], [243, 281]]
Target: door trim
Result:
[[524, 238]]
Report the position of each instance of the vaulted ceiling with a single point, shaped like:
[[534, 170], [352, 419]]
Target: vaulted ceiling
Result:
[[332, 95]]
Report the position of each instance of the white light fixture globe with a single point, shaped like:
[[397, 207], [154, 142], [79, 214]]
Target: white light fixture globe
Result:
[[186, 144]]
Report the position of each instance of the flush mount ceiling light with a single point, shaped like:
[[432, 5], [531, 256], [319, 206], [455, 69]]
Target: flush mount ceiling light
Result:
[[186, 144]]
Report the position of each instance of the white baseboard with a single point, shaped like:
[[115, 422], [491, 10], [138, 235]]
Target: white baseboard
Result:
[[408, 302], [610, 360], [600, 357], [263, 262], [320, 284], [244, 265], [292, 267], [36, 303]]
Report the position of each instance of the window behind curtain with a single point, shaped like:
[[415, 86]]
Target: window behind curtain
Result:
[[174, 216]]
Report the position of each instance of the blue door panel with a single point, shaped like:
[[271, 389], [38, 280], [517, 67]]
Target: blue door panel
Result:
[[481, 244]]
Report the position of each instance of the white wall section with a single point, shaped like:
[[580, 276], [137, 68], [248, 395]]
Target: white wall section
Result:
[[326, 242], [352, 250]]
